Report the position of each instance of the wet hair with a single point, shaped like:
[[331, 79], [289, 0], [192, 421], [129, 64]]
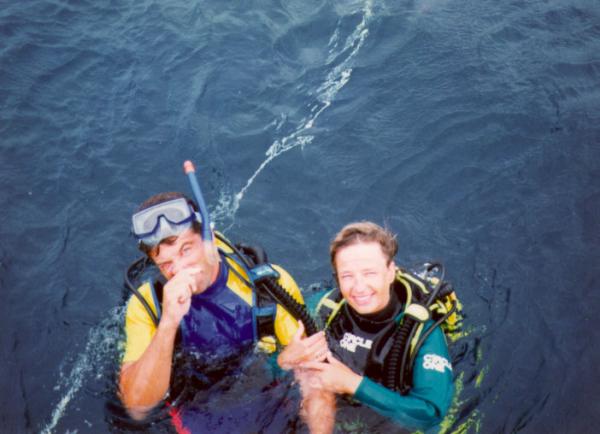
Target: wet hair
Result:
[[364, 232], [165, 197]]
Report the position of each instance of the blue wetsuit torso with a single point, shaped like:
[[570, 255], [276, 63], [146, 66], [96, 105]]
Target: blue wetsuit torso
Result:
[[219, 323]]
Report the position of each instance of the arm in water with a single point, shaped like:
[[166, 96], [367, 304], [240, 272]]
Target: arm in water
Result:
[[145, 382], [318, 406]]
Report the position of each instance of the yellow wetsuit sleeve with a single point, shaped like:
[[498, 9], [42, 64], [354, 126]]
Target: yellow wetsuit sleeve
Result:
[[285, 324], [139, 327]]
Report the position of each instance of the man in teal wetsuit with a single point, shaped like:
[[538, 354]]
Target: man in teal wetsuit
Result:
[[360, 333]]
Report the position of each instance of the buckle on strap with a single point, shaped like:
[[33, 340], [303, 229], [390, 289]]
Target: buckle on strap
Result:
[[418, 312], [263, 271], [265, 311]]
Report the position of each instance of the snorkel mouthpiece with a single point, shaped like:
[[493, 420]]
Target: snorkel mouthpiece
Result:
[[210, 249]]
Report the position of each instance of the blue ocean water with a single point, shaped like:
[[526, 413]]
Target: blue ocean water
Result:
[[470, 128]]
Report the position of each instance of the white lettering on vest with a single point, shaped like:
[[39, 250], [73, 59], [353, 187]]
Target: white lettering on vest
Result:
[[436, 363], [350, 342]]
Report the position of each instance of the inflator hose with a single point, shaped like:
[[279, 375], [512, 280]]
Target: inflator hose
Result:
[[297, 310], [393, 364]]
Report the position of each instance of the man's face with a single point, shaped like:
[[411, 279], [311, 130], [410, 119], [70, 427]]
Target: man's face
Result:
[[185, 251], [364, 276]]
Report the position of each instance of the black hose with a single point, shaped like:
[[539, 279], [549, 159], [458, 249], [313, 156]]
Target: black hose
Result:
[[438, 285], [404, 382], [297, 310], [393, 363], [135, 269]]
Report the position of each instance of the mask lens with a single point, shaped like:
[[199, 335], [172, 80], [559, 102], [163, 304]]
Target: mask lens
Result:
[[147, 221], [165, 230]]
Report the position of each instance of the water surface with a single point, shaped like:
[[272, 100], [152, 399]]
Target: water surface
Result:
[[470, 128]]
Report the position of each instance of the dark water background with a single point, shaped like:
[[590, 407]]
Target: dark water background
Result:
[[470, 128]]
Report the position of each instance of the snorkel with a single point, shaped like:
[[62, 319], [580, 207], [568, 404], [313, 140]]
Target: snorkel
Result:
[[207, 235]]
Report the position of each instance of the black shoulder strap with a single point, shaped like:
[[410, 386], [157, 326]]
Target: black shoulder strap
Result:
[[329, 306], [158, 289], [255, 255]]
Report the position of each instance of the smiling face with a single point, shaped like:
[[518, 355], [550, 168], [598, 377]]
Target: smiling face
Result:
[[364, 276], [186, 250]]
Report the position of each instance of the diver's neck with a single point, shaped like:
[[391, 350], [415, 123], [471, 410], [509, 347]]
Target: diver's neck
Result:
[[216, 268]]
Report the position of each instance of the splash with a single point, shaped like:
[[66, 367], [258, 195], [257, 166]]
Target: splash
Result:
[[336, 79], [100, 347]]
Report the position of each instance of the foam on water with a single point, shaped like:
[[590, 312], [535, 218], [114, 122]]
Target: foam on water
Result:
[[337, 77], [100, 347]]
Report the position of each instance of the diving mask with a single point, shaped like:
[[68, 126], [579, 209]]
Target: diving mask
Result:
[[166, 219]]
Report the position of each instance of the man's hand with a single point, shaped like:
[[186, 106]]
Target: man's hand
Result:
[[177, 296], [303, 349], [333, 376]]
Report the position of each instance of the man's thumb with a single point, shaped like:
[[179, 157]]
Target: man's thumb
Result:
[[299, 332]]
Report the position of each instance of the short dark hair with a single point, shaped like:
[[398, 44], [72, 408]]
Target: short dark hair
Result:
[[165, 197], [364, 232]]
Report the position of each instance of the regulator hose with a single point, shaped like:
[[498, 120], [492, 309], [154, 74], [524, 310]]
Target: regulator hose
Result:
[[297, 310], [394, 366]]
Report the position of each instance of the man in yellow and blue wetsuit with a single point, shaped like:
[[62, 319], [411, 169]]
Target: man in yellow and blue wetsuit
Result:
[[208, 299], [362, 324]]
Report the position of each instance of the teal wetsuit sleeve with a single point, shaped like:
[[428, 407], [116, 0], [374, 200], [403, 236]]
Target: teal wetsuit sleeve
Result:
[[429, 399]]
